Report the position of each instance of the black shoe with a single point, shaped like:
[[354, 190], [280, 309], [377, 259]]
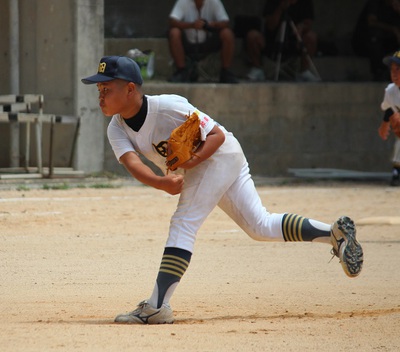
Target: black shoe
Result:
[[181, 75], [227, 76], [395, 178]]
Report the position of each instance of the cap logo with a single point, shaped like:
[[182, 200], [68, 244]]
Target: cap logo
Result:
[[102, 67]]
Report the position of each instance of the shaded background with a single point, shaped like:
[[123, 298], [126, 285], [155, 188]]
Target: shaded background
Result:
[[334, 20]]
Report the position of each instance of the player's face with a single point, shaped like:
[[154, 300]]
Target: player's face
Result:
[[395, 73], [113, 97]]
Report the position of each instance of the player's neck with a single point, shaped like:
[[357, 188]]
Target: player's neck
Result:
[[133, 108]]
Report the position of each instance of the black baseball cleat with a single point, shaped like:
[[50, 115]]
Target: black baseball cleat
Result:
[[346, 247], [395, 182]]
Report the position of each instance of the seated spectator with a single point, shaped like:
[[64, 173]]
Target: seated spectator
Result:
[[198, 28], [377, 34], [301, 12]]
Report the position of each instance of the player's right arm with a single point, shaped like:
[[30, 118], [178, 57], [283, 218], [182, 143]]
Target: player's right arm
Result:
[[171, 183], [384, 130]]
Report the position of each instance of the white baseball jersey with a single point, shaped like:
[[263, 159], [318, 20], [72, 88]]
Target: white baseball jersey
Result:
[[185, 10], [223, 179], [391, 100], [164, 113]]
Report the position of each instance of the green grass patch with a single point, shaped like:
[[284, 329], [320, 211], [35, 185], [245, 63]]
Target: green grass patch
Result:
[[23, 188], [104, 185], [62, 186]]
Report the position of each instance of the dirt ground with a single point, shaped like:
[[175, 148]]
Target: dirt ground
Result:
[[71, 260]]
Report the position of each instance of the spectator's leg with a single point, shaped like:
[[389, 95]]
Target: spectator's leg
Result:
[[255, 43], [176, 47], [228, 47], [310, 43]]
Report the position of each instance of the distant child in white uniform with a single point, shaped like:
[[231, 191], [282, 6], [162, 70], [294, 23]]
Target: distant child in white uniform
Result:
[[217, 175], [391, 108]]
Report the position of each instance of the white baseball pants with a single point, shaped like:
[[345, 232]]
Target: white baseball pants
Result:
[[222, 180]]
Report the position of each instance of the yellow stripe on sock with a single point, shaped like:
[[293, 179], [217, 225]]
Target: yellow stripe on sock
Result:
[[170, 272], [299, 225], [288, 227], [170, 256], [174, 265], [292, 228]]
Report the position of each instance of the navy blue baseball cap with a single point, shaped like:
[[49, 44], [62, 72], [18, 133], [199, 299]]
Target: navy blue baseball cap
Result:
[[116, 67], [394, 58]]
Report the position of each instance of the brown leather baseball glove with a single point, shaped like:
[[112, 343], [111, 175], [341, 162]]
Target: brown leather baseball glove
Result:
[[183, 142]]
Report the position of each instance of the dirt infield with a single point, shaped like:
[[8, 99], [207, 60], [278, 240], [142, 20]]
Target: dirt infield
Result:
[[70, 260]]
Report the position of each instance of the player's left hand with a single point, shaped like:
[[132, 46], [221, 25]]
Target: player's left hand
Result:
[[191, 163]]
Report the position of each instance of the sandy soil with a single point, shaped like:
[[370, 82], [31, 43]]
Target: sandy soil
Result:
[[70, 260]]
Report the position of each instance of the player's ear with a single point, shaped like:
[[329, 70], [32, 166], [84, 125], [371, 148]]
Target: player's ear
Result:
[[132, 88]]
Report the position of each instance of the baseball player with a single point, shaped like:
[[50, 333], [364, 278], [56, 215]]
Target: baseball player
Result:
[[217, 174], [391, 108]]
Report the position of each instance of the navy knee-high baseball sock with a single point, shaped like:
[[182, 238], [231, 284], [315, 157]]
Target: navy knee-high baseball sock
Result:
[[297, 228], [174, 263]]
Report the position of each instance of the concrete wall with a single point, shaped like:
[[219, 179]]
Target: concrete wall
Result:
[[60, 42], [285, 125]]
